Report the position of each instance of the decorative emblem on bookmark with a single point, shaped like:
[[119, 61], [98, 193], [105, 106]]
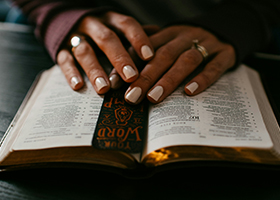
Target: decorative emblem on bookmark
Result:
[[120, 126], [123, 115]]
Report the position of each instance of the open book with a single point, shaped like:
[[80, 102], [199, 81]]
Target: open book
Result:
[[232, 121]]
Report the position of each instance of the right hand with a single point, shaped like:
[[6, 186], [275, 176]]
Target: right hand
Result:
[[101, 30]]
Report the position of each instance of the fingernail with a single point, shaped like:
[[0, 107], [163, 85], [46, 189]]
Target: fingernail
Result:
[[74, 81], [115, 81], [156, 93], [192, 87], [134, 94], [129, 72], [100, 83], [146, 52]]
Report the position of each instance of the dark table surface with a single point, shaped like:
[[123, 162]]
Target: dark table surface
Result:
[[22, 58]]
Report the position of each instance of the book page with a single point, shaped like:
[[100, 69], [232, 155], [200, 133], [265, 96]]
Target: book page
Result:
[[59, 116], [225, 115]]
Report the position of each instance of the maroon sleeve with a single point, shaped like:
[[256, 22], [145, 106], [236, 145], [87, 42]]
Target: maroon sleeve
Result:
[[55, 19]]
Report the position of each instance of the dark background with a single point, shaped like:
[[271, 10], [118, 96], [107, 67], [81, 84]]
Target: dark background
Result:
[[22, 58]]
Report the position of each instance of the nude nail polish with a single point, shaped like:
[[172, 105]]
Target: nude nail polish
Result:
[[146, 52], [134, 94], [156, 93], [192, 87], [129, 72], [74, 81], [115, 81], [100, 83]]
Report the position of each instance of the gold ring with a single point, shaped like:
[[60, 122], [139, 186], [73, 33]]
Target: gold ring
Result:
[[200, 48]]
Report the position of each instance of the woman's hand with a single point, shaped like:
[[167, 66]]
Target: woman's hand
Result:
[[175, 59], [101, 30]]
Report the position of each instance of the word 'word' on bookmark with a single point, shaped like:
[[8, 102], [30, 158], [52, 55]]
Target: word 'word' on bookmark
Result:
[[120, 126]]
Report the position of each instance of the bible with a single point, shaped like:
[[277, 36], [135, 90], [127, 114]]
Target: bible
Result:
[[232, 121]]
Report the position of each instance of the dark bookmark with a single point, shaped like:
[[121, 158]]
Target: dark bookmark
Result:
[[121, 126]]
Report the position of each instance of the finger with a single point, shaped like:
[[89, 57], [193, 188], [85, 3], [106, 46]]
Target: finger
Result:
[[115, 80], [151, 29], [184, 66], [187, 62], [134, 33], [164, 58], [186, 32], [162, 37], [86, 57], [111, 45], [212, 71], [69, 69]]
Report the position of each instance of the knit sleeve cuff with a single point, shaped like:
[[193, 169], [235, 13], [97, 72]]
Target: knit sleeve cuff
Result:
[[60, 26]]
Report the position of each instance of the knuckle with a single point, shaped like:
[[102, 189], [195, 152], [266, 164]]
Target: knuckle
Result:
[[165, 54], [146, 79], [198, 30], [135, 36], [217, 68], [68, 71], [214, 71], [119, 59], [87, 19], [127, 20], [207, 80], [170, 81], [130, 25], [82, 49], [192, 57], [230, 49], [106, 35], [63, 57], [92, 73], [195, 31]]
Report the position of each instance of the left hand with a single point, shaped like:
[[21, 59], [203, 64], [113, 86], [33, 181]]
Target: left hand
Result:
[[175, 59]]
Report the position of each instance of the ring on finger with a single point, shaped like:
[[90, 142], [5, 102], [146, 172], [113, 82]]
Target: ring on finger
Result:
[[200, 48], [76, 41]]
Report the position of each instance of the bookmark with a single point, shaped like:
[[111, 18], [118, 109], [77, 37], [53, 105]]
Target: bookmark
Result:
[[121, 126]]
